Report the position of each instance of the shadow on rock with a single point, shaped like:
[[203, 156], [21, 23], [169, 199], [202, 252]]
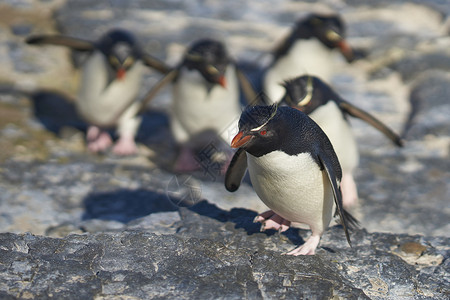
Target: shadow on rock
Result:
[[241, 218], [55, 111], [153, 128], [125, 205]]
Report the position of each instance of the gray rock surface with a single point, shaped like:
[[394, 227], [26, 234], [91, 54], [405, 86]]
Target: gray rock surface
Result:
[[100, 226], [220, 254]]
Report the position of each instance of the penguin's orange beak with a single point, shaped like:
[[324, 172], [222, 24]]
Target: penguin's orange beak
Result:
[[120, 74], [223, 81], [346, 50], [240, 140]]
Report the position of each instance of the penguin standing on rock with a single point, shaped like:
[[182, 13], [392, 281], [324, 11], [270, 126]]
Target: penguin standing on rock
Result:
[[293, 169], [205, 102], [309, 49], [314, 97], [110, 81]]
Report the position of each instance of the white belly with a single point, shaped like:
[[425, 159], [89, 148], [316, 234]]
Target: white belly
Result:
[[100, 103], [196, 110], [330, 119], [293, 187], [305, 57]]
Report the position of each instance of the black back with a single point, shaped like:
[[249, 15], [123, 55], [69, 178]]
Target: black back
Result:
[[329, 29], [209, 57], [307, 93], [293, 132], [288, 130]]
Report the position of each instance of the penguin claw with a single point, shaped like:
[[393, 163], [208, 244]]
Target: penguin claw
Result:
[[285, 226], [185, 161], [125, 146], [258, 219], [349, 190], [263, 216], [270, 220], [100, 143], [308, 248]]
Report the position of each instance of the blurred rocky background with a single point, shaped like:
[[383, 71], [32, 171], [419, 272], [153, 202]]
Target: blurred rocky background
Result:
[[78, 225]]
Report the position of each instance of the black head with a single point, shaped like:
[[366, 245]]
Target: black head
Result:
[[329, 29], [210, 58], [263, 129], [307, 93], [120, 49]]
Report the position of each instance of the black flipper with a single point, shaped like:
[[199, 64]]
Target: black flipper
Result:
[[61, 40], [343, 215], [246, 86], [236, 170], [359, 113], [169, 78], [156, 64]]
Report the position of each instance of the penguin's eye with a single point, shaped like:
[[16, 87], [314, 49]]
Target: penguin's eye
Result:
[[263, 132]]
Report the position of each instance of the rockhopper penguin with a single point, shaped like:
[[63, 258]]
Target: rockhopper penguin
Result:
[[309, 49], [110, 81], [315, 98], [205, 99], [293, 169]]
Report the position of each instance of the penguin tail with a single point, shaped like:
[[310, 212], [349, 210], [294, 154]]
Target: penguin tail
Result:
[[351, 221]]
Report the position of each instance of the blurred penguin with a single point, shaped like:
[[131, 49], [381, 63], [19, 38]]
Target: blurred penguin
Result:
[[110, 81], [314, 97], [205, 105], [309, 49]]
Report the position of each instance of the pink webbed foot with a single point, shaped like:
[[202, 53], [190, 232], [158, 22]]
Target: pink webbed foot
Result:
[[125, 146], [308, 248], [185, 161], [349, 191], [270, 220], [97, 140]]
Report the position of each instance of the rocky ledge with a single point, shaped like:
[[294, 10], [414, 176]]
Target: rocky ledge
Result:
[[218, 254], [104, 227]]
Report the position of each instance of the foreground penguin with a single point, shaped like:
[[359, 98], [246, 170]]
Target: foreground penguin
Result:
[[315, 98], [110, 81], [309, 49], [293, 169], [205, 102]]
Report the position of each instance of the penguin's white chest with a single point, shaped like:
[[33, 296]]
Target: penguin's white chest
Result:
[[305, 57], [101, 102], [294, 187], [329, 117], [198, 106]]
